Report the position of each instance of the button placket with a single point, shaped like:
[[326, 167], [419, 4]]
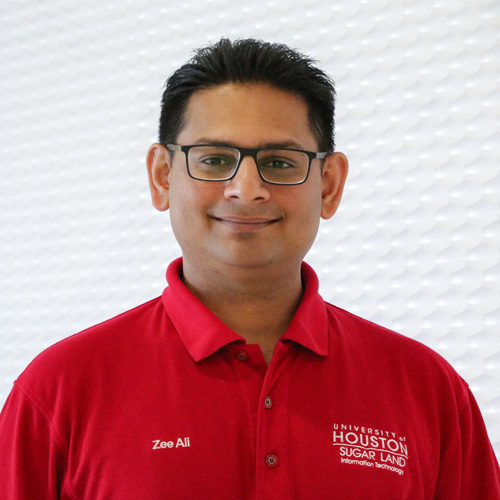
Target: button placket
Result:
[[272, 431]]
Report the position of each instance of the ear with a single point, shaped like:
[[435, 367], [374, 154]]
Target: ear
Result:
[[158, 163], [333, 179]]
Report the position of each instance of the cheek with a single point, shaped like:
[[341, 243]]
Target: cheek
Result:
[[310, 226], [180, 201], [189, 205], [310, 200], [307, 215]]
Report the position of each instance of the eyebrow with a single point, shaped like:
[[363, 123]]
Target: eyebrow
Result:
[[230, 144]]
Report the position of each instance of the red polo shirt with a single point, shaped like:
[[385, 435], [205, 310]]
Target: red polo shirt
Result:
[[165, 401]]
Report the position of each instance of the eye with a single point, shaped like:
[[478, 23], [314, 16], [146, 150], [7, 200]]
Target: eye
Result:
[[216, 161], [277, 163]]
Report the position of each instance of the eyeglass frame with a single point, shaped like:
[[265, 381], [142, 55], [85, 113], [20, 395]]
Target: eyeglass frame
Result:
[[248, 152]]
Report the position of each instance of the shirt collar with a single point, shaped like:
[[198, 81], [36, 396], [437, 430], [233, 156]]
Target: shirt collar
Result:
[[203, 333]]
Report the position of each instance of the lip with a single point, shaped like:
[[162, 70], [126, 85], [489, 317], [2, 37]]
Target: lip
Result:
[[245, 224]]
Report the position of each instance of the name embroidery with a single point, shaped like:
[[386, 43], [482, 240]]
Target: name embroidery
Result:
[[158, 444], [371, 447]]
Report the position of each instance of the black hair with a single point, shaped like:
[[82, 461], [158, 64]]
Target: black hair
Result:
[[250, 61]]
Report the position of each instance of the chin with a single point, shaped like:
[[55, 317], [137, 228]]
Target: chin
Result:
[[252, 259]]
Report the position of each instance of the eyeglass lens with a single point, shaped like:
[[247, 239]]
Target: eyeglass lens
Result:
[[275, 165]]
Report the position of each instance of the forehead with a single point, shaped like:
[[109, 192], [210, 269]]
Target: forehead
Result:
[[248, 115]]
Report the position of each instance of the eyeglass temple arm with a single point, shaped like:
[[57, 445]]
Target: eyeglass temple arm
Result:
[[174, 147]]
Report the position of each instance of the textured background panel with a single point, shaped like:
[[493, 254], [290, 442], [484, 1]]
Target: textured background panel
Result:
[[415, 245]]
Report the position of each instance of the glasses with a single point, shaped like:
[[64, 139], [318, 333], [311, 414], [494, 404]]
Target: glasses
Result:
[[220, 163]]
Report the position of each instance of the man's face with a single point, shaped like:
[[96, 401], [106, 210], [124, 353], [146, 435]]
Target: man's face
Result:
[[244, 222]]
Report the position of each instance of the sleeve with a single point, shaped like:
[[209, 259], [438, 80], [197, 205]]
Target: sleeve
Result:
[[469, 468], [32, 462]]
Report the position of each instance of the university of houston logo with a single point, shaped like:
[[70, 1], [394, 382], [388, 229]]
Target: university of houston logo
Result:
[[370, 447]]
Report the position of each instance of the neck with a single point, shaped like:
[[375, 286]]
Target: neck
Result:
[[258, 304]]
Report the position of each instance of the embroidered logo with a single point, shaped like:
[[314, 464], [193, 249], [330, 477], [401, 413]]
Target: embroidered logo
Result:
[[158, 444], [370, 447]]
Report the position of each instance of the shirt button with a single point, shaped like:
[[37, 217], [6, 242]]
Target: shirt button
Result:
[[268, 403], [271, 460], [242, 355]]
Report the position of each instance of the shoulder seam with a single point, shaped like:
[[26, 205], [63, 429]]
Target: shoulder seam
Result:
[[46, 414], [92, 327]]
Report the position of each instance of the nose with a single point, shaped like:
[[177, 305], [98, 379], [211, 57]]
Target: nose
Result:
[[247, 185]]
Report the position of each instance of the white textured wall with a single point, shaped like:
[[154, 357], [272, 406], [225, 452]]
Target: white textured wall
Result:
[[415, 245]]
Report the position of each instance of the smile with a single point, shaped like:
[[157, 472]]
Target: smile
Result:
[[245, 224]]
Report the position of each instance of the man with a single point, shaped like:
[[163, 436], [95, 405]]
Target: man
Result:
[[240, 382]]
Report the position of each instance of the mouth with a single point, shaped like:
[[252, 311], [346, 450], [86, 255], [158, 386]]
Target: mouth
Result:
[[245, 224]]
